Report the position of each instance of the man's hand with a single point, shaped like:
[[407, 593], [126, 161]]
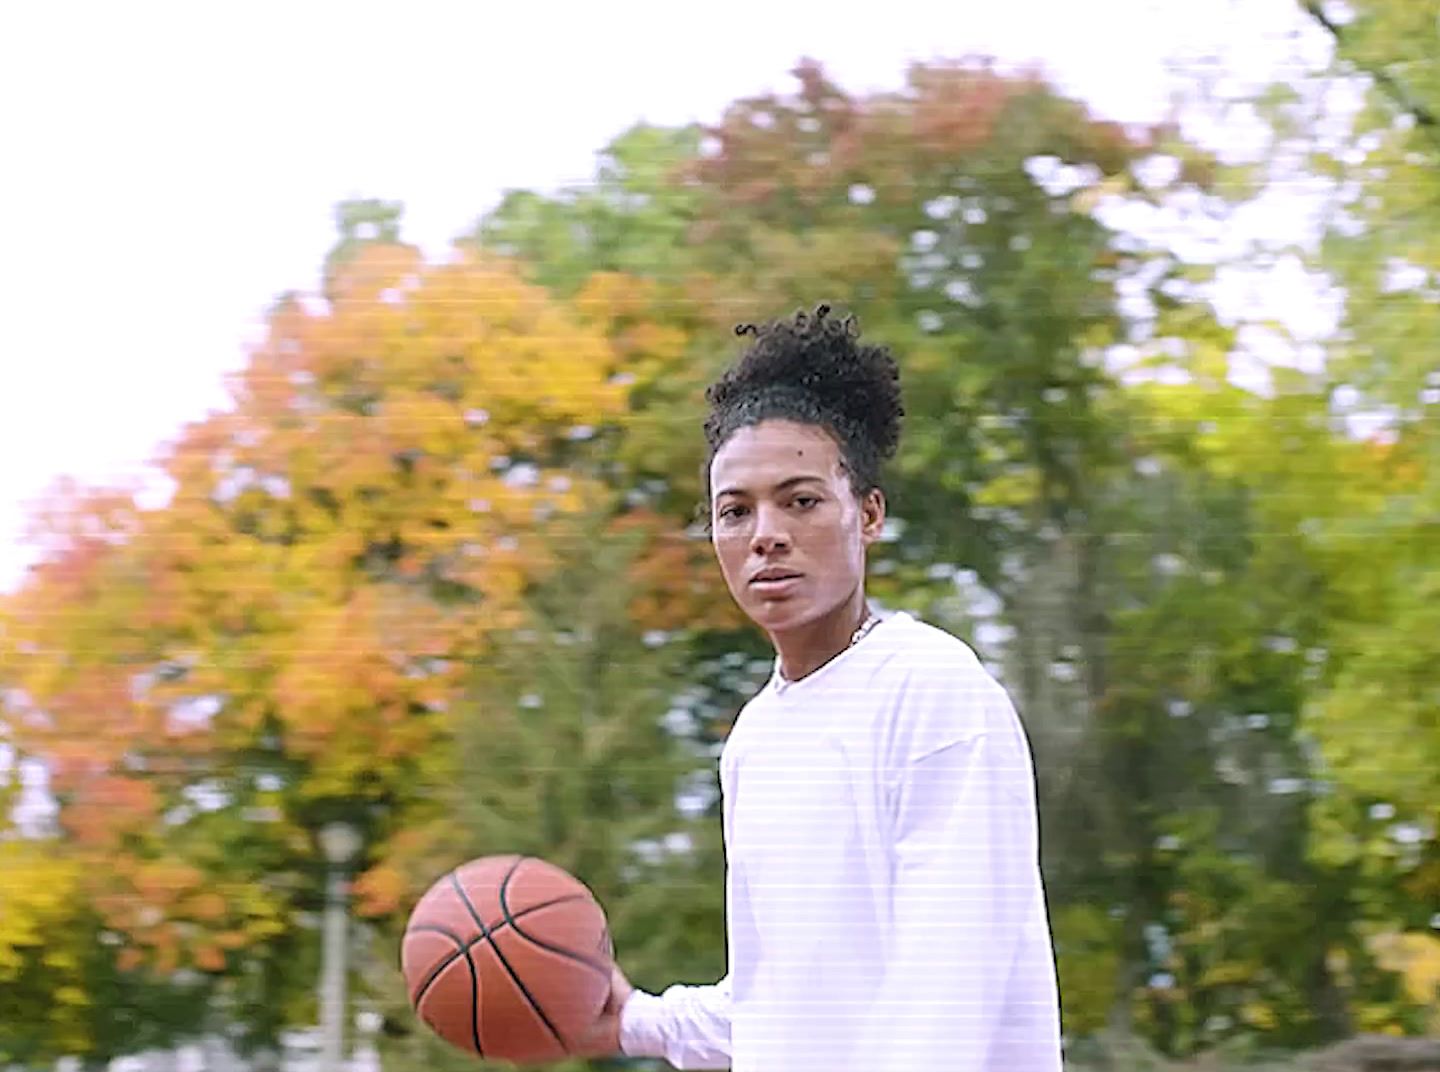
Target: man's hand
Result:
[[603, 1037]]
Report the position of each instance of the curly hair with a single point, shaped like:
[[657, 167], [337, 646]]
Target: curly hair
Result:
[[813, 370]]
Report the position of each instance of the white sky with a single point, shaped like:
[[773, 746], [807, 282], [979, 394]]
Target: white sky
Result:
[[171, 167]]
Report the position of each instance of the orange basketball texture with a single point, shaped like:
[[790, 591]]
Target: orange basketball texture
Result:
[[508, 957]]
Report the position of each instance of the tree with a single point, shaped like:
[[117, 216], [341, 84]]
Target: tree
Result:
[[632, 220], [571, 745], [1374, 716], [1382, 248], [211, 681], [945, 210], [444, 525], [1112, 524]]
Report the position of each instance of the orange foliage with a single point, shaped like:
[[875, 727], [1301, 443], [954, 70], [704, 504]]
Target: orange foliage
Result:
[[209, 958], [674, 580], [955, 109], [338, 547], [205, 907], [791, 160], [108, 807], [380, 891]]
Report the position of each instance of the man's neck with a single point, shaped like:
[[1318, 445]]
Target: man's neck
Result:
[[803, 651]]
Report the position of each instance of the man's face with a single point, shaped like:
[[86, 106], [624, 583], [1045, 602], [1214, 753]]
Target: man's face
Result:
[[786, 526]]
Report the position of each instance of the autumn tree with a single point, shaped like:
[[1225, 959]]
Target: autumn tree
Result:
[[211, 681]]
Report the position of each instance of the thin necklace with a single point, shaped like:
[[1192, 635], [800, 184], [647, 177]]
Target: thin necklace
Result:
[[871, 621]]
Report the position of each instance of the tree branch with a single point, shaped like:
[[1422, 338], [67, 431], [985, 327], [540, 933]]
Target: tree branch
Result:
[[1424, 118]]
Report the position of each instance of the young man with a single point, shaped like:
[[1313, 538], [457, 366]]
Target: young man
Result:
[[884, 903]]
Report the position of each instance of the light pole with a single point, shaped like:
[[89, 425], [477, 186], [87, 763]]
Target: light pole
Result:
[[340, 842]]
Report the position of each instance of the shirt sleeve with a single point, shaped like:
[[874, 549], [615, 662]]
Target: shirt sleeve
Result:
[[689, 1026], [966, 883]]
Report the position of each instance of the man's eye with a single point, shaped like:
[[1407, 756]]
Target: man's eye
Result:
[[729, 513], [805, 501]]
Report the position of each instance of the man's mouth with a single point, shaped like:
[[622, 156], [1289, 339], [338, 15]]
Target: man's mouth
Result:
[[773, 578]]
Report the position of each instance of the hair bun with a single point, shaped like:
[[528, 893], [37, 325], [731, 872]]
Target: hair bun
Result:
[[821, 357]]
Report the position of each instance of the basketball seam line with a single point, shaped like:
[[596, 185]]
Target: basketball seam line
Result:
[[461, 948], [567, 954], [514, 976], [463, 951], [474, 1004]]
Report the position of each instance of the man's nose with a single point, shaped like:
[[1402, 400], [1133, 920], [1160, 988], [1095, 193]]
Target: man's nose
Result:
[[770, 533]]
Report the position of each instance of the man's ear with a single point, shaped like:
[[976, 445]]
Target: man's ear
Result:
[[872, 516]]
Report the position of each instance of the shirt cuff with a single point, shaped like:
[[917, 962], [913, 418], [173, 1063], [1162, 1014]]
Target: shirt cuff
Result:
[[642, 1022]]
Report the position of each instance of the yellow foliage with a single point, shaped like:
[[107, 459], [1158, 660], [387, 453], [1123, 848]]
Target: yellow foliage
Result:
[[1259, 1015], [1415, 957], [38, 893], [338, 549], [609, 297], [1010, 489], [1226, 973], [71, 995]]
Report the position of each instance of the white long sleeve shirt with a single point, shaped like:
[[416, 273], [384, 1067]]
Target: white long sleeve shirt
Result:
[[885, 909]]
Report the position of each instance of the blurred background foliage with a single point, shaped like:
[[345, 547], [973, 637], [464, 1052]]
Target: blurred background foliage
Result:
[[435, 572]]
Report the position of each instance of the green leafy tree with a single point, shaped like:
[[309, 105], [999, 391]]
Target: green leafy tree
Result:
[[1373, 712], [573, 744], [633, 219], [957, 216]]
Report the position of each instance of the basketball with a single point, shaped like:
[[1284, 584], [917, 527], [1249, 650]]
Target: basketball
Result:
[[509, 958]]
